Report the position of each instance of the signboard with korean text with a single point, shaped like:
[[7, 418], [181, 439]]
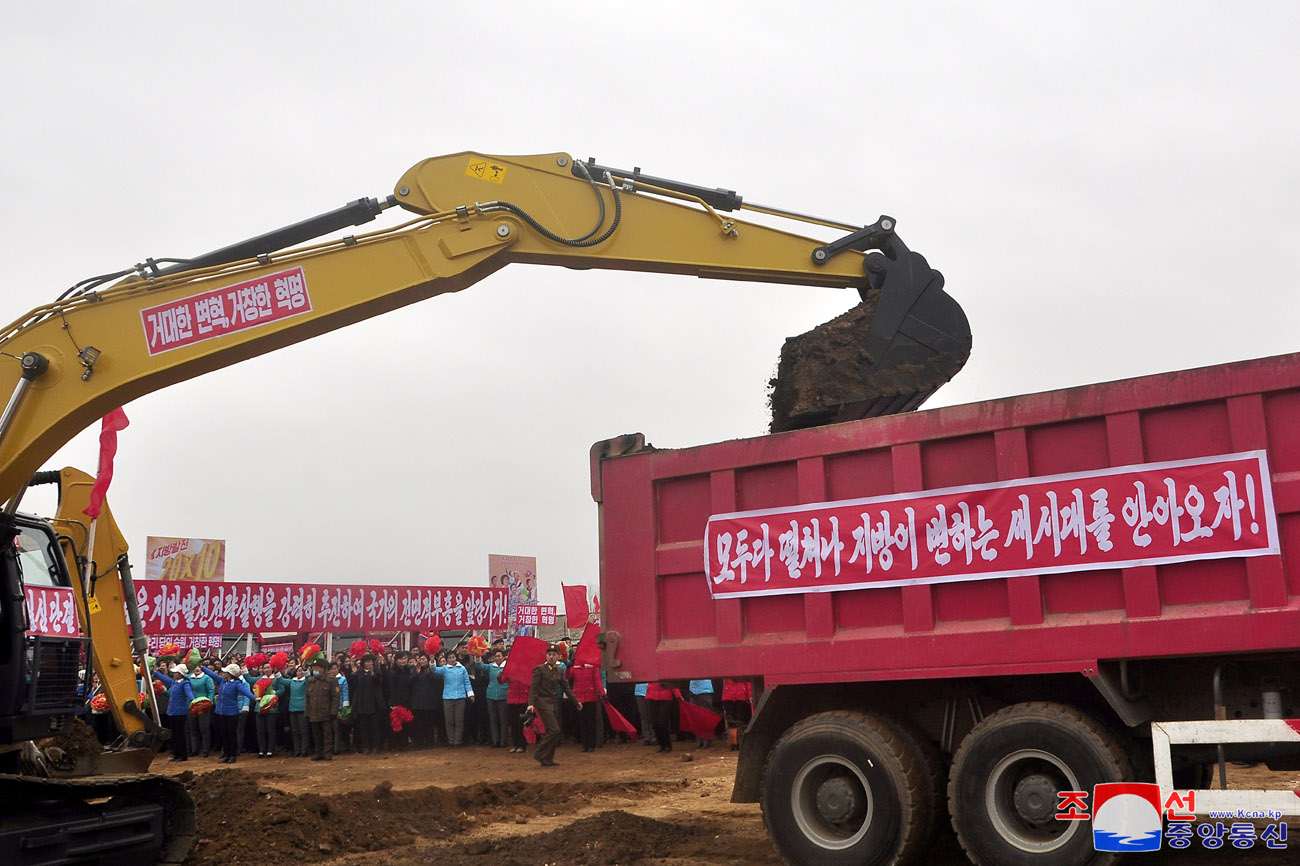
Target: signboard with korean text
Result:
[[52, 611], [172, 607], [535, 614], [170, 558], [185, 641], [518, 576], [1205, 508], [227, 310]]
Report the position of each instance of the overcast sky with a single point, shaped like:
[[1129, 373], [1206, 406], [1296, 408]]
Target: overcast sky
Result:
[[1111, 189]]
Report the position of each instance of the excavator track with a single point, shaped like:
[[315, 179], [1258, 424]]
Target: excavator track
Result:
[[110, 820]]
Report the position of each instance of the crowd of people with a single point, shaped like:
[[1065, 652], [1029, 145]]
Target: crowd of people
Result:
[[387, 699]]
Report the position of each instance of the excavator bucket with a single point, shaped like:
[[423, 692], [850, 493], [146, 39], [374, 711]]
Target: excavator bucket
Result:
[[888, 354]]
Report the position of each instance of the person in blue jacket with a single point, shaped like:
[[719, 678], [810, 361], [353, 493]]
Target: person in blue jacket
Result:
[[456, 691], [228, 710], [179, 695]]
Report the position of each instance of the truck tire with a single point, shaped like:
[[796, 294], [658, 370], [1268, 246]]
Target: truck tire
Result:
[[845, 789], [1005, 777]]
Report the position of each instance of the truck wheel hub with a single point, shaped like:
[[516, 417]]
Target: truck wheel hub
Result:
[[836, 800], [1035, 798]]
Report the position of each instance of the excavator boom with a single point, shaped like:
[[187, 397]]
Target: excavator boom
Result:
[[474, 214]]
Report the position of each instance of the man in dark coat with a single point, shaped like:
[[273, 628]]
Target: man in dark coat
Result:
[[548, 679], [368, 705]]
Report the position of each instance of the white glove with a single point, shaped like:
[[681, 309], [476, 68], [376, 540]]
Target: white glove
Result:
[[347, 703], [243, 709]]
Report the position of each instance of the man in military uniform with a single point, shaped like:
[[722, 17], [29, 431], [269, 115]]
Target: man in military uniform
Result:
[[548, 679]]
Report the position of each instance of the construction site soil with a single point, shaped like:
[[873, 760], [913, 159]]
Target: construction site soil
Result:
[[622, 804]]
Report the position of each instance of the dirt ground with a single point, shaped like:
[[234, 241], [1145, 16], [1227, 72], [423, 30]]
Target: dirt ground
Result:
[[623, 804]]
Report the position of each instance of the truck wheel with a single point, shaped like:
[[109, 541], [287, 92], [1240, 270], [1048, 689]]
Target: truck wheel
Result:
[[1002, 791], [845, 789]]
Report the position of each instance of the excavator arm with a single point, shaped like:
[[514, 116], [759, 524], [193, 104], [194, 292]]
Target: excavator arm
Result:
[[99, 347]]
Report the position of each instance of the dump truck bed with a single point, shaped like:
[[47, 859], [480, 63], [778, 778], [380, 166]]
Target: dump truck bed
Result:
[[669, 620]]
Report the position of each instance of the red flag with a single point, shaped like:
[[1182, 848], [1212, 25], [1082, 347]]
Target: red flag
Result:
[[588, 652], [526, 653], [534, 730], [595, 603], [113, 422], [618, 723], [698, 721], [575, 605]]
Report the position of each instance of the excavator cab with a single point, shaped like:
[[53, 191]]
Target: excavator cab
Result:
[[38, 672]]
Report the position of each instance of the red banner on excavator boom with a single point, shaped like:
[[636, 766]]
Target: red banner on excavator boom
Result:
[[1206, 508]]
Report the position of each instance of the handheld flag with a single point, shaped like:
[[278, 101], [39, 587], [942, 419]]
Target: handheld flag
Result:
[[618, 722], [575, 605], [698, 721]]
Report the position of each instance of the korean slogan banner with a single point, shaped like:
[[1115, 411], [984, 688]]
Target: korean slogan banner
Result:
[[172, 558], [52, 611], [1206, 508], [170, 607]]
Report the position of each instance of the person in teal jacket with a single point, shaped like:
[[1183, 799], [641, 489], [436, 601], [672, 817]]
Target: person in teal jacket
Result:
[[199, 728], [295, 687], [498, 723], [264, 723]]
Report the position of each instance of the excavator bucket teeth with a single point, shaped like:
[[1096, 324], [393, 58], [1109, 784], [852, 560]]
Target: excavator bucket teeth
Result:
[[907, 338]]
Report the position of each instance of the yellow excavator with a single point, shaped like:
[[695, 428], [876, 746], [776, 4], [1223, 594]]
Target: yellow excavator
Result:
[[117, 336]]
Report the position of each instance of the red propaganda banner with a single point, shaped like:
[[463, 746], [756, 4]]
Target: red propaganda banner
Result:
[[535, 614], [1206, 508], [52, 611], [227, 310], [193, 607]]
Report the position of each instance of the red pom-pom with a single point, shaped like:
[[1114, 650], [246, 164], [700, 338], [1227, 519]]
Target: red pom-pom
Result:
[[169, 652], [309, 652], [200, 706], [279, 661], [432, 645], [260, 687], [256, 660], [399, 716], [477, 645], [358, 649], [99, 703], [377, 647], [158, 687]]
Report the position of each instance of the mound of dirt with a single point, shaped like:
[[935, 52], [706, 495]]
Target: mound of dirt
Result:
[[599, 840], [242, 820], [77, 739]]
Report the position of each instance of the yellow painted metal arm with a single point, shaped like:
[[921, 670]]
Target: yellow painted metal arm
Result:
[[458, 239], [110, 642]]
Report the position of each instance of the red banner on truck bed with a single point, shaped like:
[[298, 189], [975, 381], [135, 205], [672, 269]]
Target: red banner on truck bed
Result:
[[1207, 508], [171, 607]]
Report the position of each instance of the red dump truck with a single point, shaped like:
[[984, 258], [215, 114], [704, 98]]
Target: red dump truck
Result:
[[982, 612]]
